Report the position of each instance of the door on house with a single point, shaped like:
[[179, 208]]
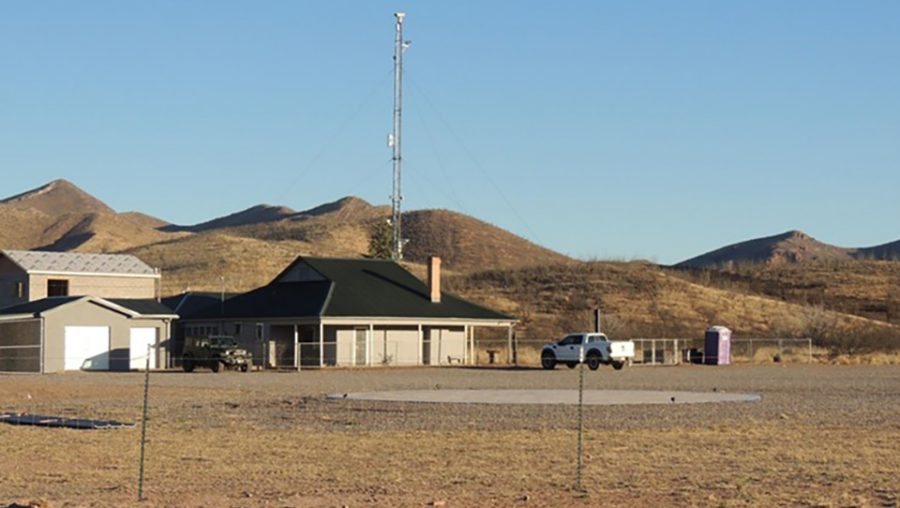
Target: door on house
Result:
[[142, 342], [360, 343]]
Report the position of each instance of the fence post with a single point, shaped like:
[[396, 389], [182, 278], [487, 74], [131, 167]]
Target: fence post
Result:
[[144, 424], [580, 448], [809, 347]]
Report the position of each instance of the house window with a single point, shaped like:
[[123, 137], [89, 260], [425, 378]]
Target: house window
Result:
[[237, 328], [20, 289], [259, 331], [57, 287]]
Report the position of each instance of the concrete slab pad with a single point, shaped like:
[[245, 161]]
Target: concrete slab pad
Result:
[[591, 397]]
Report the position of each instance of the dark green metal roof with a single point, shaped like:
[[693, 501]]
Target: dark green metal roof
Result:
[[38, 306], [376, 288], [348, 288], [145, 307]]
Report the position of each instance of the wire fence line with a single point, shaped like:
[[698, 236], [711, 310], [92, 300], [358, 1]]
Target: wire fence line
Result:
[[661, 351], [525, 352]]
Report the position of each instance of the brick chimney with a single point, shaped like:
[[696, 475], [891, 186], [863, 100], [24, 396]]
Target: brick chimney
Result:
[[434, 278]]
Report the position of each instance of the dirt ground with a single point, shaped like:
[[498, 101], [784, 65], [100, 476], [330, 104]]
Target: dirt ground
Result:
[[821, 436]]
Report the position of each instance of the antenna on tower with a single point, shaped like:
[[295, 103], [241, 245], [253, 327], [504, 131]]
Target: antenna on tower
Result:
[[394, 139]]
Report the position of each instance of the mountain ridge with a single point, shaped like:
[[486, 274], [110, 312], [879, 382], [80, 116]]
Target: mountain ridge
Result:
[[792, 246]]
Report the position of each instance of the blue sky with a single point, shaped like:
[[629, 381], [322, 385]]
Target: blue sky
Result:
[[655, 130]]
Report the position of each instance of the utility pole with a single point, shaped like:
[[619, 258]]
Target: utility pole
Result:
[[394, 139]]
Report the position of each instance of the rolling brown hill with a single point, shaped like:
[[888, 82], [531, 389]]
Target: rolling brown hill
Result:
[[60, 216], [550, 292], [789, 247], [887, 252], [466, 243], [865, 288], [253, 215], [640, 299], [58, 196]]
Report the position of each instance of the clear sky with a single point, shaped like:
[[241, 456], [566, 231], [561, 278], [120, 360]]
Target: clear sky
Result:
[[655, 130]]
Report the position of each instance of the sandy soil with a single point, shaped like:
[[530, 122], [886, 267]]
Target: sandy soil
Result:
[[820, 436]]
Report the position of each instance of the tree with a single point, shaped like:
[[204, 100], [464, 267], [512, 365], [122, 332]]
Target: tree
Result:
[[381, 240]]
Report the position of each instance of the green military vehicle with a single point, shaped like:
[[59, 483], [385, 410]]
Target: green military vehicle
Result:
[[215, 352]]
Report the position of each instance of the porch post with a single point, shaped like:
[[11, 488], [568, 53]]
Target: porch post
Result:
[[509, 345], [296, 347], [369, 339], [465, 344], [321, 344], [474, 347], [420, 345]]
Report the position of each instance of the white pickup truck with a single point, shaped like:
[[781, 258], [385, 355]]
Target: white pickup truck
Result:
[[593, 348]]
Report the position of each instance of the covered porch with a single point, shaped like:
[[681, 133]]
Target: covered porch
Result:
[[348, 342]]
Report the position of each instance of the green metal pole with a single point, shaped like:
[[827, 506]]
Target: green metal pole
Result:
[[144, 424]]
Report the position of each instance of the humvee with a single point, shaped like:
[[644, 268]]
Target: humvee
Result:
[[215, 352]]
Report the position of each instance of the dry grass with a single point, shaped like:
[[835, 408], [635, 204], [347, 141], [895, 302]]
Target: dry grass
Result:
[[821, 436], [643, 300], [868, 289]]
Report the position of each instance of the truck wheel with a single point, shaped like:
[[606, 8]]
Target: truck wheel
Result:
[[571, 365], [548, 360], [593, 360], [214, 366], [187, 364], [245, 367], [618, 365]]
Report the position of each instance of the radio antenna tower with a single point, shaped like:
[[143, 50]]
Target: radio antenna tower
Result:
[[400, 46]]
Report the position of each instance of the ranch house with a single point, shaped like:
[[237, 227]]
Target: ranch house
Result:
[[342, 312]]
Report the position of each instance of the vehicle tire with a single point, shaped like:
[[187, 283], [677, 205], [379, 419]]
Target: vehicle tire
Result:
[[245, 367], [571, 365], [187, 364], [548, 360], [593, 360], [618, 365], [215, 365]]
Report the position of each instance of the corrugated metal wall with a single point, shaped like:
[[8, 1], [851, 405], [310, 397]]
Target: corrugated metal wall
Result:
[[20, 346]]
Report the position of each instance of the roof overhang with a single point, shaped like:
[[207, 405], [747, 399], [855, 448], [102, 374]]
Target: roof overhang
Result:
[[95, 274], [97, 301], [362, 320], [18, 317]]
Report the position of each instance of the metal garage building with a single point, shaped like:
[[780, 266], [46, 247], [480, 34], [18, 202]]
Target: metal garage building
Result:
[[84, 333]]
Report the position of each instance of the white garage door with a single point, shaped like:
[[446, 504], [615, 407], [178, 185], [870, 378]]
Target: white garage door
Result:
[[141, 340], [87, 347]]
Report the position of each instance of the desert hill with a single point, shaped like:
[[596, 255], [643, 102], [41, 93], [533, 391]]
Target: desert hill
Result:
[[548, 291], [253, 215], [856, 286], [640, 299], [792, 246], [887, 252], [58, 196], [466, 243], [145, 220], [60, 216], [789, 247]]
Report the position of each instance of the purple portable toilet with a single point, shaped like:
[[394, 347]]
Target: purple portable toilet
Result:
[[717, 346]]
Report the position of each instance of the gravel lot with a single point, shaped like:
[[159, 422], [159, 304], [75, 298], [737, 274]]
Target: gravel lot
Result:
[[820, 435]]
